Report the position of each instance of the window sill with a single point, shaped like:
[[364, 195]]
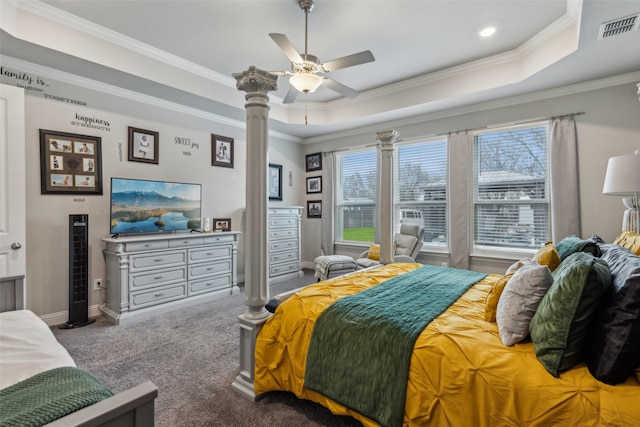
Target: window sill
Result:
[[508, 254]]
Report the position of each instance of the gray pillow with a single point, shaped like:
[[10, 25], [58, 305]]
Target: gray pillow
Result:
[[613, 349], [519, 301]]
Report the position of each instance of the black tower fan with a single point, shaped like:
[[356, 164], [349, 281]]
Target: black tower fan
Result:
[[78, 272]]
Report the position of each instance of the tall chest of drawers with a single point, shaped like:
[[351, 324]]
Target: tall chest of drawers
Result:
[[148, 275], [284, 243]]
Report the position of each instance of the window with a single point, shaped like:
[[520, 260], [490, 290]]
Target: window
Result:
[[355, 195], [511, 187], [421, 188]]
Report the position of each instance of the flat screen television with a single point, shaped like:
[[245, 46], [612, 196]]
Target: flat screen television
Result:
[[144, 206]]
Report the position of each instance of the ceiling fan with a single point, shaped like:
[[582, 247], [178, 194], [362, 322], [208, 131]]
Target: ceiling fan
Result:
[[307, 71]]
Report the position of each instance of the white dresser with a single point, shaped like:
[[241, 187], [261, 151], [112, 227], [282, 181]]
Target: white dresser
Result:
[[147, 275], [284, 243]]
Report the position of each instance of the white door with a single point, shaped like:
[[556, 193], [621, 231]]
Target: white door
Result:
[[13, 262]]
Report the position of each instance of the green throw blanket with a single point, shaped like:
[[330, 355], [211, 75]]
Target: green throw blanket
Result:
[[49, 395], [361, 345]]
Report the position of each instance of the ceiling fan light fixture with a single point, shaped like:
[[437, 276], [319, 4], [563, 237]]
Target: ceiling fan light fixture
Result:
[[305, 82]]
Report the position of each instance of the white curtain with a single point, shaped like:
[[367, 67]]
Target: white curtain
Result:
[[565, 191], [459, 145], [328, 213]]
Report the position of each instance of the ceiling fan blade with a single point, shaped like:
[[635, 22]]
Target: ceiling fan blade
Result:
[[340, 88], [291, 95], [349, 61], [280, 73], [283, 42]]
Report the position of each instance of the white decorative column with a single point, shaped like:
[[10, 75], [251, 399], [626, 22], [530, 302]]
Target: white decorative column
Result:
[[384, 205], [257, 84]]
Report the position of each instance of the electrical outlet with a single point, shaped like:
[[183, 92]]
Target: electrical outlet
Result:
[[97, 284]]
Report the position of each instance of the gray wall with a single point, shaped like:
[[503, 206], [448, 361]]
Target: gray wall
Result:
[[223, 189], [609, 127]]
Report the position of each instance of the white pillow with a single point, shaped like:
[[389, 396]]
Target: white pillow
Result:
[[519, 301]]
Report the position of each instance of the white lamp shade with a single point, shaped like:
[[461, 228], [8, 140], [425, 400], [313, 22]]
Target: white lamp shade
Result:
[[305, 82], [623, 175]]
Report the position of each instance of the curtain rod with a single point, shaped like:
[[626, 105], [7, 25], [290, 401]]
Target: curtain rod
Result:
[[360, 147], [524, 122]]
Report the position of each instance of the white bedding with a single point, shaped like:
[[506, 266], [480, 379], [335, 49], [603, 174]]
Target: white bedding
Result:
[[27, 347]]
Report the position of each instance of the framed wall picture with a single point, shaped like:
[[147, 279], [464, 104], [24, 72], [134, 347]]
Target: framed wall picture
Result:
[[275, 182], [314, 208], [314, 184], [222, 224], [143, 145], [221, 151], [70, 163], [314, 162]]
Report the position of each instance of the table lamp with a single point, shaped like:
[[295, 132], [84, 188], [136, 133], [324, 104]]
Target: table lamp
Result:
[[623, 179]]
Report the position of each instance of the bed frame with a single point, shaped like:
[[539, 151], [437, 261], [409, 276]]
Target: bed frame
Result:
[[134, 407], [131, 408]]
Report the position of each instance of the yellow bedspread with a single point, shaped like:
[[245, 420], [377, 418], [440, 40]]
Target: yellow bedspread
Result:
[[460, 375]]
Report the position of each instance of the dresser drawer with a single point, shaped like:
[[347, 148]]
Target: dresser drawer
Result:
[[285, 233], [146, 246], [161, 259], [284, 211], [156, 296], [157, 278], [208, 269], [185, 243], [219, 238], [283, 221], [210, 285], [210, 253], [276, 270], [283, 245], [283, 256]]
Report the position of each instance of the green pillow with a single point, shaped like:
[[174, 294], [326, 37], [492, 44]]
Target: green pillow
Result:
[[559, 327]]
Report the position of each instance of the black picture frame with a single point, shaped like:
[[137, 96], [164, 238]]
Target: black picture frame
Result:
[[314, 208], [222, 151], [313, 162], [275, 182], [221, 224], [144, 146], [70, 163], [314, 184]]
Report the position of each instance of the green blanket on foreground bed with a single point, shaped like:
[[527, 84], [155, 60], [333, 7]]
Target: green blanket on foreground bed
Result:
[[361, 345], [49, 395]]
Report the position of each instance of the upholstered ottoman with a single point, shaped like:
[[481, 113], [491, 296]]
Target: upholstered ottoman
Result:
[[328, 266]]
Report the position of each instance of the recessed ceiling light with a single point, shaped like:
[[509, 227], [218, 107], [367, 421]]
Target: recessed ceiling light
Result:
[[488, 31]]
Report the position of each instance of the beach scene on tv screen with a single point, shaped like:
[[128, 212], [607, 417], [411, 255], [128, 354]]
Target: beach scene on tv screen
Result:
[[140, 206]]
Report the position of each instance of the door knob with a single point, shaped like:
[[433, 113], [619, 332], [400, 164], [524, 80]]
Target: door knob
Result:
[[16, 245]]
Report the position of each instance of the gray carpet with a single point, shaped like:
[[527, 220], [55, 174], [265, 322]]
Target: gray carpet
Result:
[[192, 356]]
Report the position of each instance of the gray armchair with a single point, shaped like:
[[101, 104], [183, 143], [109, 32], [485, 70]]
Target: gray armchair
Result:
[[407, 245]]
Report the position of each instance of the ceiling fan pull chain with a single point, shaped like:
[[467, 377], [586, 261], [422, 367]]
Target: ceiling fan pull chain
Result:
[[305, 114]]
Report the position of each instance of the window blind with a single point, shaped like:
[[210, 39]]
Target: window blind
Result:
[[355, 195], [511, 187], [420, 188]]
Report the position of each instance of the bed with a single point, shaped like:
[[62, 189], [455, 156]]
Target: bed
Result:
[[41, 385], [458, 370]]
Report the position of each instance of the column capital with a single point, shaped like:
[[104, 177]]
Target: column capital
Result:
[[255, 80], [388, 136]]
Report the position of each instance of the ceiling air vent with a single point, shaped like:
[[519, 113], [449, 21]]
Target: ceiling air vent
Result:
[[619, 26]]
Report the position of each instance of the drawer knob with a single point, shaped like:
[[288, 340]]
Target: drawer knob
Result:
[[158, 277], [158, 295]]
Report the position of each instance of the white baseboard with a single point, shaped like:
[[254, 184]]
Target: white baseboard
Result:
[[61, 317]]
